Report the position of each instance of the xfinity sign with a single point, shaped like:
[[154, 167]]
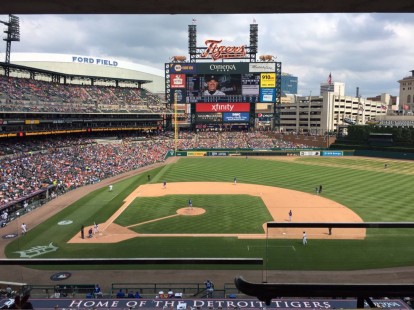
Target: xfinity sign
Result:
[[223, 107]]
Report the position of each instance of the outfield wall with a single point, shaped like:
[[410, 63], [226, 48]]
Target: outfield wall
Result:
[[384, 154], [253, 152]]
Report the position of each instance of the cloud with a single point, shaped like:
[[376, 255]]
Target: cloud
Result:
[[370, 51]]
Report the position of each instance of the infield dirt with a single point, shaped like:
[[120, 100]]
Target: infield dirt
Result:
[[305, 208]]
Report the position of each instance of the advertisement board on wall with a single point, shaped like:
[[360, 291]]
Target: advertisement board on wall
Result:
[[310, 153], [332, 153], [267, 95], [236, 117], [209, 117], [264, 117], [186, 68], [197, 154], [268, 80], [223, 107], [262, 67], [223, 68], [217, 154], [210, 303], [177, 80]]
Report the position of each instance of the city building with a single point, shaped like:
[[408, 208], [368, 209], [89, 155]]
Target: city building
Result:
[[289, 84], [334, 87], [407, 93], [317, 115], [392, 102]]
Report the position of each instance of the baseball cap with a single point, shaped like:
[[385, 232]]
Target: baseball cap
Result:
[[211, 77]]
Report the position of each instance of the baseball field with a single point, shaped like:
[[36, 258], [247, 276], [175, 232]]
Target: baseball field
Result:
[[141, 219]]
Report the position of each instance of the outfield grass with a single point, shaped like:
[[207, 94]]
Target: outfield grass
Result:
[[363, 185]]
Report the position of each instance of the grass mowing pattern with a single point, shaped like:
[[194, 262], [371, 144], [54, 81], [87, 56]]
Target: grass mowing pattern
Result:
[[364, 190], [97, 207], [221, 212], [375, 193]]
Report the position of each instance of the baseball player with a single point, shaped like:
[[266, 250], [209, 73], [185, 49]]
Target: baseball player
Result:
[[304, 238], [212, 87], [95, 228], [290, 216], [235, 180], [190, 204], [164, 184], [110, 188], [24, 228]]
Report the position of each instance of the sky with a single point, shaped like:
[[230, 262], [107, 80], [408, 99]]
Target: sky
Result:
[[366, 50]]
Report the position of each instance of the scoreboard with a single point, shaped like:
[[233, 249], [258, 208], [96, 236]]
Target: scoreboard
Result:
[[222, 94]]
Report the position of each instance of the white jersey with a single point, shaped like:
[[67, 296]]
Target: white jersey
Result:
[[216, 93]]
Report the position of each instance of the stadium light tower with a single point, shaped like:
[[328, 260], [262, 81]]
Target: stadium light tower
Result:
[[13, 34]]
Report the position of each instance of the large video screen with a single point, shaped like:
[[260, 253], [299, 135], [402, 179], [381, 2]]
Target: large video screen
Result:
[[227, 86], [221, 82], [222, 85]]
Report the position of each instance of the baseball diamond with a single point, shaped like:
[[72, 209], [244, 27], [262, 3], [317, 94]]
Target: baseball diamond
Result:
[[278, 201]]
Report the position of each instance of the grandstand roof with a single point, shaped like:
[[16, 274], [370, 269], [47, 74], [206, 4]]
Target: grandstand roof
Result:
[[92, 67], [51, 73], [188, 6], [68, 58]]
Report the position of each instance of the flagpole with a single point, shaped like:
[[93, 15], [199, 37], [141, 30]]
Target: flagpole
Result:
[[175, 124]]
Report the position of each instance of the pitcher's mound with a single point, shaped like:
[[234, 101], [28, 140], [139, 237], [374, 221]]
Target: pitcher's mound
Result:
[[192, 211]]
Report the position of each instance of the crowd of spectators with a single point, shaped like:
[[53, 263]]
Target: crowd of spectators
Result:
[[72, 166], [240, 140], [7, 292], [65, 163], [29, 95]]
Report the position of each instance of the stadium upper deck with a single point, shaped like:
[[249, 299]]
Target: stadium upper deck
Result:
[[52, 103]]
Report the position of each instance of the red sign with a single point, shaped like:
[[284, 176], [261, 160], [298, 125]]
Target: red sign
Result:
[[223, 107], [177, 80]]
